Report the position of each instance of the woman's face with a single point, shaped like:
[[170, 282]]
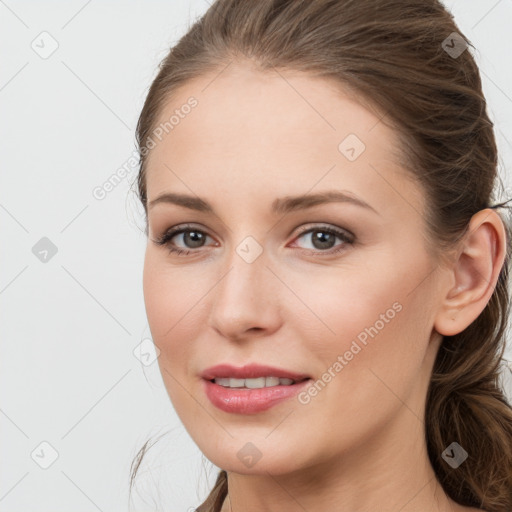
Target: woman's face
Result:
[[352, 307]]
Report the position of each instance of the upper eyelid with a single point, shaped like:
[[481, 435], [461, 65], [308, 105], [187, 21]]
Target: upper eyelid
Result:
[[319, 226]]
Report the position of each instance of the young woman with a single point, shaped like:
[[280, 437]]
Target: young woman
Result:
[[326, 269]]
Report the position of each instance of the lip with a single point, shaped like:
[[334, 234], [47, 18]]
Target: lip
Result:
[[250, 371], [250, 401]]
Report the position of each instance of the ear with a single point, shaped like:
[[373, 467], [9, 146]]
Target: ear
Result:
[[472, 277]]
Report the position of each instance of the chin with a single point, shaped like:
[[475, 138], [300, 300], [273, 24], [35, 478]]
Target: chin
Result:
[[258, 457]]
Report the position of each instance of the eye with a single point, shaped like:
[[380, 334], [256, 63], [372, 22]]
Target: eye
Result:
[[192, 237], [322, 238]]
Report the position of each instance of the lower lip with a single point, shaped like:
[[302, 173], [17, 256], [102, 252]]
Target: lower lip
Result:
[[250, 401]]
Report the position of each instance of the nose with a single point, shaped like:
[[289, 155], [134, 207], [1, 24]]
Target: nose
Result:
[[245, 302]]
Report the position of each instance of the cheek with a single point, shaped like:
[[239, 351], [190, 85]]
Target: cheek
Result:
[[370, 318], [342, 305], [170, 310], [168, 303], [170, 293]]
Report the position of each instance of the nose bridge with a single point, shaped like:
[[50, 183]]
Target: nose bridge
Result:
[[245, 297], [247, 276]]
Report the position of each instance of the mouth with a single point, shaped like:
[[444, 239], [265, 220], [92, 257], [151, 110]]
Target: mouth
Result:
[[251, 396], [252, 388], [256, 382]]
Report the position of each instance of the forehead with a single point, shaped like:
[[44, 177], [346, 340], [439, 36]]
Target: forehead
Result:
[[280, 131]]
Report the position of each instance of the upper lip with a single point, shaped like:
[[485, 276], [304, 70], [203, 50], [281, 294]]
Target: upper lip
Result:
[[250, 371]]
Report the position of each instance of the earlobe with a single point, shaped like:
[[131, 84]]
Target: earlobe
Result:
[[474, 273]]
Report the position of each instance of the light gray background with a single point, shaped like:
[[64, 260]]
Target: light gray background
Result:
[[69, 326]]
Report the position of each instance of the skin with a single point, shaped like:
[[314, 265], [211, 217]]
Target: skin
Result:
[[359, 444]]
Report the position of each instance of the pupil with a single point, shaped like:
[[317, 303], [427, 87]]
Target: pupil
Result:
[[324, 239], [191, 235]]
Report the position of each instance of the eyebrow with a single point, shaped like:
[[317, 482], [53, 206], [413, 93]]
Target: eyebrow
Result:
[[281, 205]]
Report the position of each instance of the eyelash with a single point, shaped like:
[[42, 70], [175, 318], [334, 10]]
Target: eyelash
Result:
[[346, 237]]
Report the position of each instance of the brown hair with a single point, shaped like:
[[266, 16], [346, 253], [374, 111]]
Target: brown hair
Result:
[[398, 57]]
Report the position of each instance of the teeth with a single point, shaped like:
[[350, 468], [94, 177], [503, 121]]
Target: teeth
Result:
[[260, 382]]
